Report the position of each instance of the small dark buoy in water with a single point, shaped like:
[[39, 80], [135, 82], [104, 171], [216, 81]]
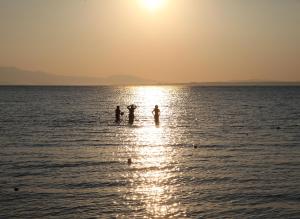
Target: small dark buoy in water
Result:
[[278, 128], [16, 189], [195, 146], [129, 162]]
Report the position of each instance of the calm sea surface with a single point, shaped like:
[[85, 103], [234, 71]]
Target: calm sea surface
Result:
[[218, 152]]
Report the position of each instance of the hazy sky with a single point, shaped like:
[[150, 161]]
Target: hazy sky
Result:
[[183, 41]]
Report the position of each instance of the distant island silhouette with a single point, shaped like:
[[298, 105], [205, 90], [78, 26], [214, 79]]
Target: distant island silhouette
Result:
[[15, 76]]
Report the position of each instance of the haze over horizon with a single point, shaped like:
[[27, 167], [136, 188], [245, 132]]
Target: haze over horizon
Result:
[[182, 41]]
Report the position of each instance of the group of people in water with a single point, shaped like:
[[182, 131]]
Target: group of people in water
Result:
[[131, 108]]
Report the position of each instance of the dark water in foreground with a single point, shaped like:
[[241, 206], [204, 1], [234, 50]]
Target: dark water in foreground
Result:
[[61, 148]]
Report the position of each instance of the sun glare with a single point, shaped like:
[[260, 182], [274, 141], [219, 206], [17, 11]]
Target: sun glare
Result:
[[153, 5]]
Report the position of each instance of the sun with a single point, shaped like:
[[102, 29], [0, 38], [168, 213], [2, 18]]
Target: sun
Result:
[[153, 5]]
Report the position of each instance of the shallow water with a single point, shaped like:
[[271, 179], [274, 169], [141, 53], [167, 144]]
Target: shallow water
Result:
[[218, 152]]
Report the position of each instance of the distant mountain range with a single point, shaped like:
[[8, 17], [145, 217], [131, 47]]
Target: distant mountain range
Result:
[[15, 76]]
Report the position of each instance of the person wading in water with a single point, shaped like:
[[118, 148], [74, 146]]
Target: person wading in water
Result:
[[131, 109], [156, 113], [119, 113]]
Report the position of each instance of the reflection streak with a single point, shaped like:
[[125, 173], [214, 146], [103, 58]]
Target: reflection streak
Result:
[[153, 168]]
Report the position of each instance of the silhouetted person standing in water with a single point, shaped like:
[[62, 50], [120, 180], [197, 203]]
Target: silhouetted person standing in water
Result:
[[131, 109], [119, 113], [156, 113]]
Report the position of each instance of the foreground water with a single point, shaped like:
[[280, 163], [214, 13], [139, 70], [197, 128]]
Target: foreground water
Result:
[[219, 152]]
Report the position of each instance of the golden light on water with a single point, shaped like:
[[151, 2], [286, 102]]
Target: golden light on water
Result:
[[151, 96], [146, 98], [153, 159], [151, 184], [153, 155]]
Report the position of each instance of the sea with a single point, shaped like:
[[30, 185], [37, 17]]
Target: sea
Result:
[[217, 152]]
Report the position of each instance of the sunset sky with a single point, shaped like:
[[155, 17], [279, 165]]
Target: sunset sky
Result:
[[167, 40]]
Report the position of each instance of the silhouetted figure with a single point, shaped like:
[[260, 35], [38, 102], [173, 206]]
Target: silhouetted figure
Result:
[[129, 161], [16, 189], [119, 113], [156, 113], [131, 109]]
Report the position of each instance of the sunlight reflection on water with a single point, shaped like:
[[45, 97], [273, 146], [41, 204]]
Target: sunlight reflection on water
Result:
[[216, 154], [147, 97], [154, 169]]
